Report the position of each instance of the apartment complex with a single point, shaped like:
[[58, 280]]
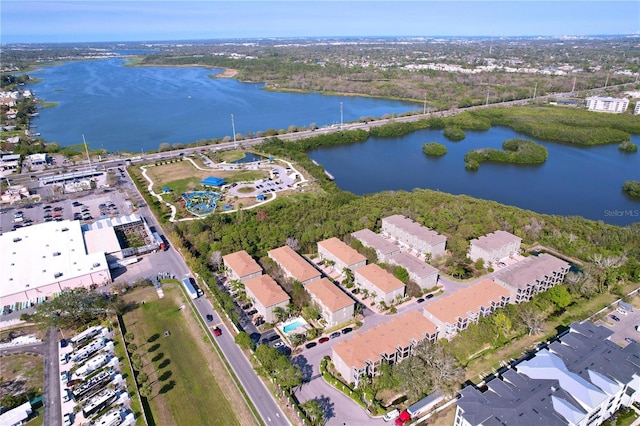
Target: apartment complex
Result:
[[454, 313], [494, 246], [392, 342], [293, 265], [580, 379], [421, 273], [336, 307], [341, 254], [607, 104], [413, 235], [240, 266], [384, 249], [381, 285], [266, 295], [532, 275]]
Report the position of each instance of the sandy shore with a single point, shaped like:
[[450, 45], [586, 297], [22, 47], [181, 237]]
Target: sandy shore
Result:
[[227, 73]]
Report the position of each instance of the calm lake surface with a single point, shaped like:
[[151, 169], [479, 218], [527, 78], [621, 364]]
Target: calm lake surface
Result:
[[573, 181], [121, 108]]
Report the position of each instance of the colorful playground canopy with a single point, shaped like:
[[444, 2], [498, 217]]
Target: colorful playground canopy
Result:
[[213, 181]]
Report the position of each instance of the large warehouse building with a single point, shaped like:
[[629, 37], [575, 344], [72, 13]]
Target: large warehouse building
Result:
[[40, 261]]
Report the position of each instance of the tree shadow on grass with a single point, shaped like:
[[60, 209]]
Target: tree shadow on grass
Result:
[[154, 348], [167, 387], [164, 363], [158, 357], [153, 338], [165, 376]]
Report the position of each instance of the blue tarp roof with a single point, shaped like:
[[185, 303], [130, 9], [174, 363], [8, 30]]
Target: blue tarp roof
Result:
[[213, 181], [166, 189]]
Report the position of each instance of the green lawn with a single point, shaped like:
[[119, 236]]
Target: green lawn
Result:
[[185, 391]]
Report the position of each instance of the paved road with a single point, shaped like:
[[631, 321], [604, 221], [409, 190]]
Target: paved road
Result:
[[258, 393], [52, 402]]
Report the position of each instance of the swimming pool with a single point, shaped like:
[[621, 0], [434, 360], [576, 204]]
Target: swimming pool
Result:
[[292, 326]]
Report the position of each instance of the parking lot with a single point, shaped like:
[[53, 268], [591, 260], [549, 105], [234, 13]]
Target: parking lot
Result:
[[625, 328], [86, 208]]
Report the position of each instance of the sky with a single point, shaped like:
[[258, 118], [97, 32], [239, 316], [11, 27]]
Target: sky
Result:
[[26, 21]]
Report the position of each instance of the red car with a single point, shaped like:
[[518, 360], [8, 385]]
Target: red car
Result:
[[217, 331], [323, 339]]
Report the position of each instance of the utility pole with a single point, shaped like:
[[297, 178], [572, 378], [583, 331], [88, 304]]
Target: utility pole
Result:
[[424, 108], [535, 89], [573, 88], [233, 129], [606, 83], [341, 116], [87, 151], [487, 102]]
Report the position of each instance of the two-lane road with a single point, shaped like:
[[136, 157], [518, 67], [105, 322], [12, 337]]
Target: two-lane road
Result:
[[260, 396]]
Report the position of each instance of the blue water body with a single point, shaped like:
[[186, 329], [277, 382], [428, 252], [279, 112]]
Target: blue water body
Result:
[[292, 326], [582, 181], [121, 108], [250, 157]]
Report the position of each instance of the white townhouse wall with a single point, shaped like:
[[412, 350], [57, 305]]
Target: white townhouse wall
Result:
[[420, 272], [336, 306], [240, 266], [293, 265], [341, 254], [532, 275], [384, 249], [413, 235], [391, 341], [455, 312], [266, 295], [378, 281], [607, 104], [494, 246]]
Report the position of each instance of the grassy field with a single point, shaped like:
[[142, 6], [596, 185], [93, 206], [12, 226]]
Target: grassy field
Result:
[[182, 176], [19, 373], [190, 385]]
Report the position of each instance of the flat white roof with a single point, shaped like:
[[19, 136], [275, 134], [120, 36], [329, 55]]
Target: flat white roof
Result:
[[103, 240], [33, 255]]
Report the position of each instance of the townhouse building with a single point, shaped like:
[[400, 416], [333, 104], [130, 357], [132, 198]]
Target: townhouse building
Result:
[[392, 342], [414, 236], [293, 265], [266, 296], [341, 254], [607, 104], [454, 313], [380, 284], [336, 307], [494, 246], [420, 272], [532, 275], [384, 249], [240, 266], [580, 379]]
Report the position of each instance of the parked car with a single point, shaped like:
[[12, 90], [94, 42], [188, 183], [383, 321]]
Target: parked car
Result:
[[274, 337], [64, 376], [217, 331], [310, 345], [622, 311], [252, 312], [278, 345], [630, 340], [63, 343], [67, 419], [347, 330], [209, 317], [323, 340], [420, 300], [334, 335], [428, 296], [615, 318]]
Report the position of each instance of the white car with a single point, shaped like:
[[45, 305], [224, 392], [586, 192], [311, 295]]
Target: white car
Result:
[[67, 420], [622, 311], [64, 376], [63, 358]]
